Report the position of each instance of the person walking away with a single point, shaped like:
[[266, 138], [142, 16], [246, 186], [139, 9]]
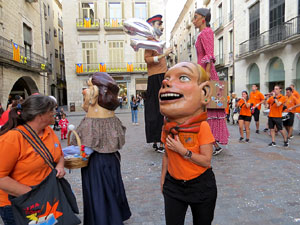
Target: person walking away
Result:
[[234, 108], [257, 98], [245, 116], [275, 103], [134, 110], [157, 67], [21, 167], [205, 58], [63, 124], [291, 105]]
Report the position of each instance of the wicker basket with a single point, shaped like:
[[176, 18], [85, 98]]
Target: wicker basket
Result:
[[75, 163]]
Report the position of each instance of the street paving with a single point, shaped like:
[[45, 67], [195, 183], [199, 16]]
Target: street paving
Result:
[[256, 184]]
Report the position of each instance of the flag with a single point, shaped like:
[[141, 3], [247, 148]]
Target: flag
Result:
[[16, 52], [79, 68], [115, 23], [129, 67], [87, 22], [102, 67]]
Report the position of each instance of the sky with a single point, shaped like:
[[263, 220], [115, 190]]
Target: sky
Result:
[[173, 9]]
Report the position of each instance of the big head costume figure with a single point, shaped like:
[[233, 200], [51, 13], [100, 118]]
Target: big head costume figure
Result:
[[185, 92], [101, 96]]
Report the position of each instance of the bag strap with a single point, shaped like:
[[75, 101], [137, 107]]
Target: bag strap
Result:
[[39, 141], [37, 149]]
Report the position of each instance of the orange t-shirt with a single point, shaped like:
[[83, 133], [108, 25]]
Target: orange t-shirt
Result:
[[180, 168], [19, 161], [227, 108], [296, 94], [244, 110], [290, 102], [256, 98], [276, 111]]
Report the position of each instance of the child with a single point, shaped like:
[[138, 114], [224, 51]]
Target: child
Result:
[[63, 124]]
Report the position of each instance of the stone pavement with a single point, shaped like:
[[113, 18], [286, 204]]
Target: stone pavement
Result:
[[256, 184]]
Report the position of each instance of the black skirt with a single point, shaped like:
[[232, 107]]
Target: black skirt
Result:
[[153, 118], [104, 197]]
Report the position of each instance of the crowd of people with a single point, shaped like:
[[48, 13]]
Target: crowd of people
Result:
[[279, 108]]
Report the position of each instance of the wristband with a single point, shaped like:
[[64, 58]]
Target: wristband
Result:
[[188, 154], [274, 97]]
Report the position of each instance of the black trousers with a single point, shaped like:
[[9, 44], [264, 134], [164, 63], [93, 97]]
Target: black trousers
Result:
[[200, 194]]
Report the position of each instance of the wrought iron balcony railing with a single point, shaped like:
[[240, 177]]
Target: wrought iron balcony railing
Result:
[[284, 32], [16, 55], [87, 24], [111, 67], [219, 60], [113, 24]]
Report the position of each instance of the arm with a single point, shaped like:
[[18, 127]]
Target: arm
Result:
[[13, 187], [203, 159], [207, 41], [278, 103], [60, 167], [149, 58], [164, 170]]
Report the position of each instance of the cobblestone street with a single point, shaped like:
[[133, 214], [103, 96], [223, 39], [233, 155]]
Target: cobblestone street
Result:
[[256, 184]]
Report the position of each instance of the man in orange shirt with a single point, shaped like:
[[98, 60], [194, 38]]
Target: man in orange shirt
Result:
[[157, 67], [295, 93], [257, 98], [291, 105], [276, 103]]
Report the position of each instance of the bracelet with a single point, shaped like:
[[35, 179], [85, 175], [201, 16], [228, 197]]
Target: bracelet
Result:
[[188, 154], [274, 97]]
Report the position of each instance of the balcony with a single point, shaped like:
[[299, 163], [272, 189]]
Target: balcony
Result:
[[60, 23], [84, 24], [115, 67], [61, 57], [113, 24], [14, 55], [219, 61], [60, 38], [274, 38], [218, 24]]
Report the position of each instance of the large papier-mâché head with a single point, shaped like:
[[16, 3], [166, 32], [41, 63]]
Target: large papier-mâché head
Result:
[[185, 92]]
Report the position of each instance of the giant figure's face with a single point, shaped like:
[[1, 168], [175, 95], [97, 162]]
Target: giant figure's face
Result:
[[182, 95]]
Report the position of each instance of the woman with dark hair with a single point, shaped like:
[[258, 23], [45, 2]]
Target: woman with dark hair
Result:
[[103, 190], [206, 59], [134, 110], [245, 116], [20, 166]]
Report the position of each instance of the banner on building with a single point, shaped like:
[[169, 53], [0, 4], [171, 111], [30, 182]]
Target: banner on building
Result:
[[102, 67], [87, 22], [129, 67], [16, 52], [79, 68]]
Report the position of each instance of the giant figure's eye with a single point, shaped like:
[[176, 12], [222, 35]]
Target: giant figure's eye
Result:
[[184, 78]]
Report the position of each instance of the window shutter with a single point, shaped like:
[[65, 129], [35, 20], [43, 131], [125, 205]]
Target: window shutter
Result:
[[80, 10]]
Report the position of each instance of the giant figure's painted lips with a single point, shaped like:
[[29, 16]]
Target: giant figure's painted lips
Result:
[[170, 96]]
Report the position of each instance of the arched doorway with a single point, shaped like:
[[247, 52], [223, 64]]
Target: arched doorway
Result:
[[276, 73], [298, 75], [24, 87], [254, 77]]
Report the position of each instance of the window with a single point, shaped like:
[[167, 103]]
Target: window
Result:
[[115, 10], [88, 10], [116, 53], [27, 35], [48, 10], [1, 12], [89, 53], [140, 10], [221, 50], [55, 32], [56, 53], [277, 11], [220, 13], [139, 57], [45, 11], [49, 34], [230, 41], [47, 37], [298, 7], [254, 20]]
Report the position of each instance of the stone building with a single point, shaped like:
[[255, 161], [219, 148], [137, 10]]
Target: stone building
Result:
[[94, 40], [267, 36], [22, 49]]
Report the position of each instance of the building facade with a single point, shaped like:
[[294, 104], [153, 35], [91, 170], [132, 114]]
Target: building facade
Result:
[[94, 40], [267, 37], [23, 63]]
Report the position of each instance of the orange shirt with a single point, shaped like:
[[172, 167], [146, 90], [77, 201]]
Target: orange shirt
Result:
[[276, 111], [19, 161], [227, 108], [290, 102], [180, 168], [256, 98], [244, 110], [296, 94]]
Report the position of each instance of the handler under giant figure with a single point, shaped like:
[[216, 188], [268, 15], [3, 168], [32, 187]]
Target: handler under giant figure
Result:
[[187, 178]]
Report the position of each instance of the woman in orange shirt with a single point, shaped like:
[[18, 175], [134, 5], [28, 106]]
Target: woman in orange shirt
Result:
[[20, 166], [245, 116]]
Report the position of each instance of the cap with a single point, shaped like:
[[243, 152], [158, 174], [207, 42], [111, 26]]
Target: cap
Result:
[[155, 18]]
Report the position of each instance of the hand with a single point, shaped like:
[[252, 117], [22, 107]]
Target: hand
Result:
[[162, 185], [60, 172], [168, 51], [290, 109], [175, 145], [256, 105]]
